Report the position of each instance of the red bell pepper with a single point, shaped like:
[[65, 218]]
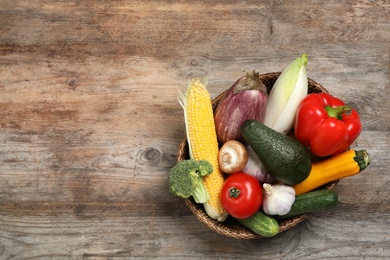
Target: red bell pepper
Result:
[[326, 124]]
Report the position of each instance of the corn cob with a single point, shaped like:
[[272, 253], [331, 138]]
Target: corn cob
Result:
[[203, 143]]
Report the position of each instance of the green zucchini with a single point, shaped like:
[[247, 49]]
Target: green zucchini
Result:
[[312, 202], [261, 224], [285, 159]]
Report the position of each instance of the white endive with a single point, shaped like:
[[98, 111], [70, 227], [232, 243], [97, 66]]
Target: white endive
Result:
[[286, 94]]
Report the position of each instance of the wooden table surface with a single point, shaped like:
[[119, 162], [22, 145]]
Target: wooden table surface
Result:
[[90, 122]]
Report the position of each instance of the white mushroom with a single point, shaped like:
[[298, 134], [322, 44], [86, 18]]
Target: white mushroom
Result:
[[232, 157]]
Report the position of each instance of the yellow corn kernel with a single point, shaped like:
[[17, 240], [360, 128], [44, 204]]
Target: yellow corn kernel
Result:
[[203, 143]]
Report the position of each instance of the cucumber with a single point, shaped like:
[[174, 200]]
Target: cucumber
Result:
[[285, 159], [261, 224], [312, 202]]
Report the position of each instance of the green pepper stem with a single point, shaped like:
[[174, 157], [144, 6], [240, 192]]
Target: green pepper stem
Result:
[[336, 112], [234, 192]]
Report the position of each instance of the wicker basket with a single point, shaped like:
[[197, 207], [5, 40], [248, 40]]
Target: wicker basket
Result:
[[230, 227]]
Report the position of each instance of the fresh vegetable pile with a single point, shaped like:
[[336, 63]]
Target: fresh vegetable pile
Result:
[[253, 157]]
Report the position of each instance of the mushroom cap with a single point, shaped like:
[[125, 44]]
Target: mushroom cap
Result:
[[232, 157]]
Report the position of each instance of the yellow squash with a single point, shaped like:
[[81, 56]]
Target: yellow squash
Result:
[[340, 166]]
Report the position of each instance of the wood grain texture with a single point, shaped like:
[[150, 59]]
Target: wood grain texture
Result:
[[90, 122]]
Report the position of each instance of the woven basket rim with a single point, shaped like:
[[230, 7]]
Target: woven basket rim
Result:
[[230, 227]]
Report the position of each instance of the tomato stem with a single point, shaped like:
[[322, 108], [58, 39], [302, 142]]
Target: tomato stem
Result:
[[234, 192], [336, 112]]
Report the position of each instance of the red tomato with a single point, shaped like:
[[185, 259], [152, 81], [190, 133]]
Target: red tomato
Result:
[[241, 195]]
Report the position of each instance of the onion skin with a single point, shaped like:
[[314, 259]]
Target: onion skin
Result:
[[245, 99], [256, 168]]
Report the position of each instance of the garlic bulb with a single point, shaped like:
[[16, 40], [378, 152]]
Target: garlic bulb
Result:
[[277, 199]]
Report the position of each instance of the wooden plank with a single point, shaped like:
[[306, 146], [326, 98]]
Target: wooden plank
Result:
[[90, 122]]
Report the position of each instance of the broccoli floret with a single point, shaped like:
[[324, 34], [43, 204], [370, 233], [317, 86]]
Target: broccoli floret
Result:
[[186, 179]]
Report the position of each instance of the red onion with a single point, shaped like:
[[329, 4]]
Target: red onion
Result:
[[256, 168], [245, 99]]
